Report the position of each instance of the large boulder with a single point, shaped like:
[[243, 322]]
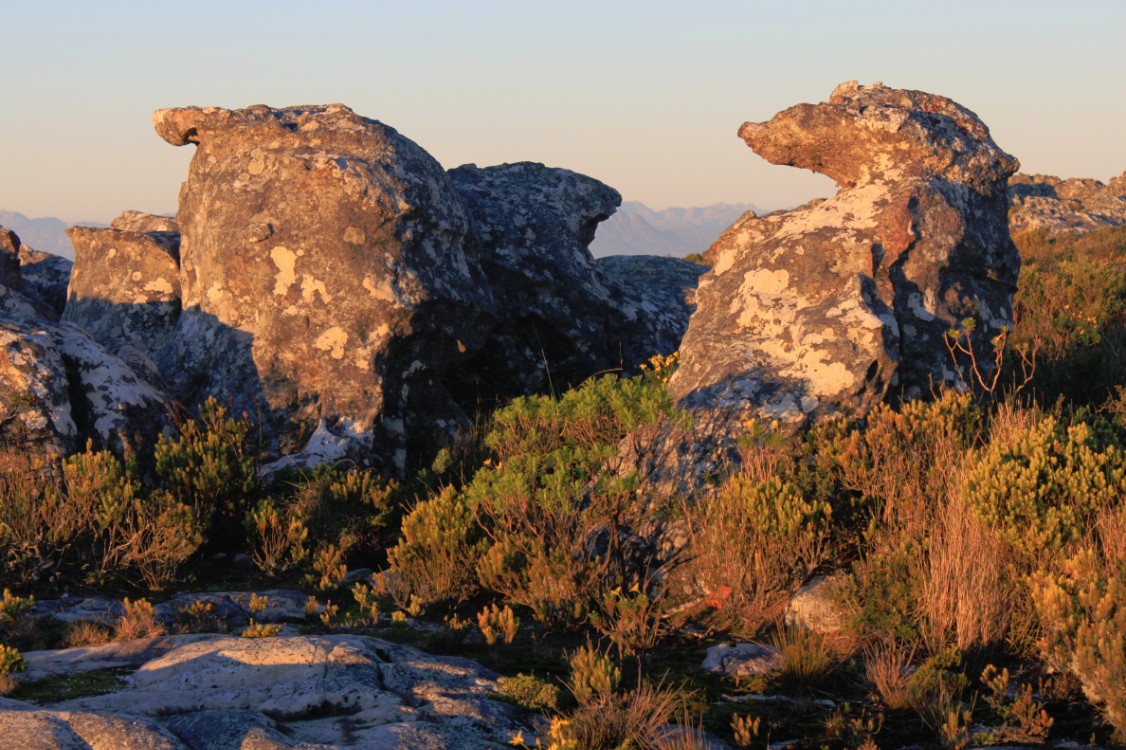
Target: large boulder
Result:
[[562, 316], [326, 275], [837, 305], [1076, 206], [534, 224], [125, 292]]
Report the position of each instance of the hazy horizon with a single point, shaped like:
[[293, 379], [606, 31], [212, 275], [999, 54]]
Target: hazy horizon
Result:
[[645, 97]]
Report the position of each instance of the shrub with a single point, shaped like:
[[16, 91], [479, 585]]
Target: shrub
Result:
[[498, 624], [277, 536], [1083, 613], [567, 519], [11, 661], [1041, 488], [435, 559], [137, 621], [530, 692], [211, 467], [757, 541], [887, 666], [594, 676], [806, 657]]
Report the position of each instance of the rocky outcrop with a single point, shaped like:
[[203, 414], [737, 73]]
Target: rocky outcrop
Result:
[[139, 221], [653, 298], [1076, 206], [835, 306], [125, 292], [219, 691], [45, 275], [533, 225], [58, 387], [325, 271]]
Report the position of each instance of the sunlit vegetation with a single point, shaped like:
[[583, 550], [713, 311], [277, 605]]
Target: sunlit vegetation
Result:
[[978, 539]]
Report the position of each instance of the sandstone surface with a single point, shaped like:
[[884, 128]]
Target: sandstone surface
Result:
[[139, 221], [837, 305], [125, 292], [333, 691], [59, 387], [1077, 206], [325, 272]]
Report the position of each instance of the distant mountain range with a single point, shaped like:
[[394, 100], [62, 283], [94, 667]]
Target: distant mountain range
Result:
[[47, 234], [637, 229]]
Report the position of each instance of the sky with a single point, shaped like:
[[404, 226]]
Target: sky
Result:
[[645, 96]]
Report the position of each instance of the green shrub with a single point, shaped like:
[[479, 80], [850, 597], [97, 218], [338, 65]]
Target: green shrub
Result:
[[594, 676], [751, 545], [210, 466], [435, 559], [276, 536], [530, 692], [1041, 487]]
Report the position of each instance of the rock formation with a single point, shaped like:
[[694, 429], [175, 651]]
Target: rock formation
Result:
[[834, 306], [58, 387], [1041, 202], [125, 292], [195, 692], [45, 275], [325, 271]]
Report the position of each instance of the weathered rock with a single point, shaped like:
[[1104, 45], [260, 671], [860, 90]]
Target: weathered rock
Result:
[[58, 387], [325, 273], [47, 276], [139, 221], [125, 292], [1076, 206], [816, 605], [324, 691], [534, 225], [9, 258], [835, 306], [742, 659], [654, 298], [37, 729]]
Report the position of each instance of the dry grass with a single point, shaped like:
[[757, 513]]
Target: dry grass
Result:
[[886, 667], [637, 719], [807, 657], [87, 633], [968, 597]]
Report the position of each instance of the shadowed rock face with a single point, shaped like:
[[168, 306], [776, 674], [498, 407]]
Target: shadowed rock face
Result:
[[837, 305], [59, 387], [533, 225], [125, 292], [325, 270]]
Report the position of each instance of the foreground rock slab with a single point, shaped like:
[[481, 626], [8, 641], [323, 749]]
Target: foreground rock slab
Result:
[[301, 692], [838, 305]]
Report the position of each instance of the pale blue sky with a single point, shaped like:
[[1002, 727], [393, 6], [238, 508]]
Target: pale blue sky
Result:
[[646, 96]]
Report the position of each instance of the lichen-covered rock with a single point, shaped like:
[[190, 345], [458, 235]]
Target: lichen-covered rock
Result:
[[837, 305], [534, 224], [47, 276], [58, 387], [1076, 206], [325, 272], [336, 691], [654, 298], [125, 292]]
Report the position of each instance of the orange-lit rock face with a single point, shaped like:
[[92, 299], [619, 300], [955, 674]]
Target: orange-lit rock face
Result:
[[319, 250], [836, 305]]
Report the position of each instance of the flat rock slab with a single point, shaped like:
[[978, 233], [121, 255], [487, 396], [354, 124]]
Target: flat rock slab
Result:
[[215, 691], [742, 659]]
